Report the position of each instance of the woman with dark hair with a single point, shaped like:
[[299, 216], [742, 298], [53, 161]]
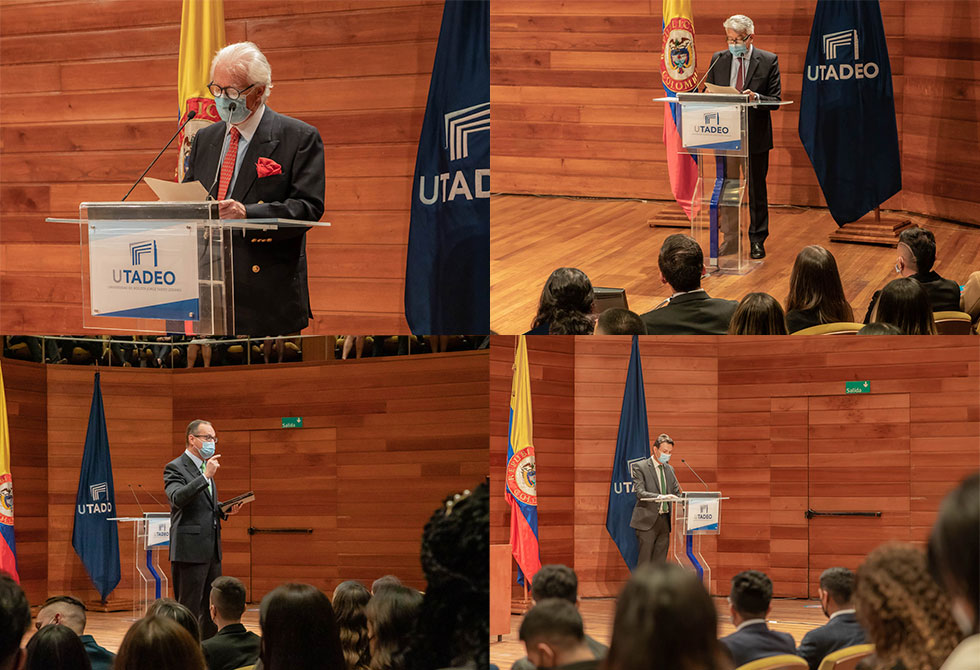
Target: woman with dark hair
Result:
[[56, 647], [905, 304], [349, 600], [816, 295], [903, 610], [170, 608], [161, 643], [758, 314], [566, 298], [299, 630], [391, 616]]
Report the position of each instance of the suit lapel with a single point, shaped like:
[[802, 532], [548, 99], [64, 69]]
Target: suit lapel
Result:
[[722, 74], [753, 65], [212, 155], [194, 472], [263, 143]]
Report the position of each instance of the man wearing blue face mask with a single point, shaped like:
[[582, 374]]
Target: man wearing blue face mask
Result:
[[650, 520], [195, 522]]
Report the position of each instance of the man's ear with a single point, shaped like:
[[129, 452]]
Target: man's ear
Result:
[[663, 280]]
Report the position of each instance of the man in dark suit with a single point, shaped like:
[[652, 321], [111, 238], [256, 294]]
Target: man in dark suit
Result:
[[650, 520], [755, 72], [195, 522], [916, 256], [690, 310], [749, 604], [553, 637], [69, 611], [233, 646], [260, 164], [842, 629]]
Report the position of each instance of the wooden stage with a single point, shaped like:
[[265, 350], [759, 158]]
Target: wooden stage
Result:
[[611, 242], [796, 617]]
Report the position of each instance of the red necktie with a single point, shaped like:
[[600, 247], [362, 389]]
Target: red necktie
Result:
[[228, 166], [739, 82]]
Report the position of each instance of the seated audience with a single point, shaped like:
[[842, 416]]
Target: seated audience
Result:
[[842, 629], [567, 292], [171, 609], [299, 631], [954, 554], [904, 611], [665, 620], [349, 600], [384, 582], [816, 295], [916, 255], [70, 612], [391, 616], [573, 323], [904, 304], [690, 310], [879, 329], [159, 642], [758, 314], [56, 647], [749, 604], [619, 321], [232, 646], [970, 298], [553, 637], [15, 612]]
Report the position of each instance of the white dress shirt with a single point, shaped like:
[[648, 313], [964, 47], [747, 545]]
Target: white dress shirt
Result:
[[746, 59]]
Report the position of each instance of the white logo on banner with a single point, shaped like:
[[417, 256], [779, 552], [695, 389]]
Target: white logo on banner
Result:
[[95, 490], [461, 124], [834, 41]]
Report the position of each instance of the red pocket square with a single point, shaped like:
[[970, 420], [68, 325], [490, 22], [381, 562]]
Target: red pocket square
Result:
[[266, 167]]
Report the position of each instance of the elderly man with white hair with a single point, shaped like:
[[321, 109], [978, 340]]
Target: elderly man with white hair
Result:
[[260, 164], [755, 72]]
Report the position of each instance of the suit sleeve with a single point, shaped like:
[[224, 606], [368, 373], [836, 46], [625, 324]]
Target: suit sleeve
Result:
[[305, 201], [638, 485], [774, 89], [181, 492], [810, 651]]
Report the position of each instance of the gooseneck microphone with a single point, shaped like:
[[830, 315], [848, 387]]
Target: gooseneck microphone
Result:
[[152, 497], [695, 474], [190, 115], [136, 498], [698, 87]]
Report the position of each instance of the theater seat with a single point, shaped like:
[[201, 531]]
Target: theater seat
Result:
[[246, 667], [846, 658], [839, 328], [952, 323], [780, 662]]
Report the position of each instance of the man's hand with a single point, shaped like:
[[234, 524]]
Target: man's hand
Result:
[[753, 96], [212, 466], [231, 209], [235, 509]]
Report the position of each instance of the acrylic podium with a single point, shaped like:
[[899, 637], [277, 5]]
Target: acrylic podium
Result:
[[151, 534], [152, 267], [695, 514]]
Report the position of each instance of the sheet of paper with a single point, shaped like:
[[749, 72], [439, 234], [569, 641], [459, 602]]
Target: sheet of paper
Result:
[[715, 88], [169, 191]]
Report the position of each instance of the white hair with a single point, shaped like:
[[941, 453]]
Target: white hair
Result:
[[741, 24], [246, 61]]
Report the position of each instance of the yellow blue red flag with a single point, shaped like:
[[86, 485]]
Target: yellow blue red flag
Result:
[[678, 72], [522, 492], [8, 552]]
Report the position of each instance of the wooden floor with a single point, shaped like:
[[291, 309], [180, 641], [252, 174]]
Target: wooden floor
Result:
[[796, 617], [611, 242]]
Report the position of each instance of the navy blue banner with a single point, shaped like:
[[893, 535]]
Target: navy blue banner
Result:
[[847, 109], [632, 445], [447, 279], [96, 540]]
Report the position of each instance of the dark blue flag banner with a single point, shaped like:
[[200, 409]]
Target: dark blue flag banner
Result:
[[632, 445], [447, 278], [96, 540], [847, 109]]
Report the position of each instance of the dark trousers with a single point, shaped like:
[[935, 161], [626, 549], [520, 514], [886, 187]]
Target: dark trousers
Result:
[[654, 542], [758, 197], [192, 589]]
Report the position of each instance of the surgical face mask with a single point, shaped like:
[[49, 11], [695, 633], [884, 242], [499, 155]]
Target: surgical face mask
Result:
[[207, 450], [738, 49], [664, 458], [231, 111]]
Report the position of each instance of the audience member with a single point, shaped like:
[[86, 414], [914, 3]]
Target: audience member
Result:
[[665, 620], [299, 630], [56, 647], [171, 609], [619, 321], [384, 582], [553, 637], [816, 295], [70, 612], [904, 304], [159, 642], [349, 600], [232, 646], [15, 612], [573, 323], [758, 314], [749, 604], [916, 255], [903, 609], [842, 628], [690, 310], [391, 615], [879, 329], [567, 292], [970, 298]]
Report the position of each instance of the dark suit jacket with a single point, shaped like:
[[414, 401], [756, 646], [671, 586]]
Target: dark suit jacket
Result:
[[798, 319], [233, 647], [757, 641], [646, 483], [195, 518], [100, 657], [841, 631], [691, 314], [598, 649], [762, 77], [271, 292], [944, 294]]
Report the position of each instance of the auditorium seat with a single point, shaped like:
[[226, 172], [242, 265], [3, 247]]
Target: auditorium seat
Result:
[[780, 662], [839, 328], [246, 667], [953, 323], [846, 658]]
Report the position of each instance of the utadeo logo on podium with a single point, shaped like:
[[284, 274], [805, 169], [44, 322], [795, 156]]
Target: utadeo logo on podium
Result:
[[835, 45], [143, 253]]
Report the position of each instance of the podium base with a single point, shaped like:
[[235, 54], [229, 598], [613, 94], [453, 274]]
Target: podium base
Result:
[[876, 229], [111, 605], [670, 217]]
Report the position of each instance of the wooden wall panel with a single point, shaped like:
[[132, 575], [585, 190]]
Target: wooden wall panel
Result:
[[87, 97]]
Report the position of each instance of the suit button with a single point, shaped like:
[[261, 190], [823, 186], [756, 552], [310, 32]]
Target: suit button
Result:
[[255, 268]]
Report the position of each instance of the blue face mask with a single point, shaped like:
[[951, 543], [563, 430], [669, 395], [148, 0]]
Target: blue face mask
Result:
[[207, 450], [231, 111], [736, 49], [664, 458]]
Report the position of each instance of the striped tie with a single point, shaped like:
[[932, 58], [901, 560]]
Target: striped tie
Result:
[[228, 166]]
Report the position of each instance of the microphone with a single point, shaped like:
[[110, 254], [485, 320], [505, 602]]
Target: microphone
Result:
[[190, 115], [695, 474], [710, 67], [157, 501], [135, 498]]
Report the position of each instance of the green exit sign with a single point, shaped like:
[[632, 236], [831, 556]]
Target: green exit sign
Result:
[[850, 387], [292, 422]]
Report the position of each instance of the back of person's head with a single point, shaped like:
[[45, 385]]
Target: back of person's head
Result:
[[391, 616], [299, 630], [751, 594], [839, 585], [384, 582], [567, 291], [681, 262], [65, 610], [921, 245], [549, 629], [171, 609], [555, 581], [664, 608], [815, 284], [905, 304], [619, 321], [758, 314], [15, 612], [159, 642], [954, 552], [879, 329], [903, 610], [56, 646], [349, 600], [228, 598], [572, 323]]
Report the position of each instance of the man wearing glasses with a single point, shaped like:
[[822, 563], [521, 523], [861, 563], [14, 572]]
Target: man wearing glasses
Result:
[[260, 164], [755, 72], [195, 522]]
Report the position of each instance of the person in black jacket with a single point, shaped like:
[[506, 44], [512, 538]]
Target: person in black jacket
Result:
[[842, 629], [750, 600], [816, 294], [233, 646]]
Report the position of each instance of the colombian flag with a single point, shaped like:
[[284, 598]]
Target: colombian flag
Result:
[[678, 71], [522, 495], [8, 553]]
